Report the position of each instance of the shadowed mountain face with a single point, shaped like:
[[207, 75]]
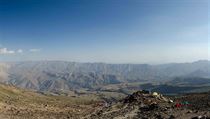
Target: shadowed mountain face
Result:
[[57, 75]]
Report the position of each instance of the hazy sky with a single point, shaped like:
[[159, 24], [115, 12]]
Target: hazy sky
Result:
[[112, 31]]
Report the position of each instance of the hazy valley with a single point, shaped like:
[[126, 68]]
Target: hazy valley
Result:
[[56, 76]]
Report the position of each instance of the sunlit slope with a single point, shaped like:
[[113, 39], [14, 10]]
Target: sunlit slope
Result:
[[19, 103]]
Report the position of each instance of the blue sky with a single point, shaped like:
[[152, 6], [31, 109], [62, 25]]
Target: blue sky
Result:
[[111, 31]]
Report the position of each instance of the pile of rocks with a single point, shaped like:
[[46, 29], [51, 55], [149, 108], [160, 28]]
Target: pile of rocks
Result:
[[145, 104], [145, 98]]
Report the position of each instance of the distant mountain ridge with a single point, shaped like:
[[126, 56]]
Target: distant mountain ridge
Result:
[[60, 75]]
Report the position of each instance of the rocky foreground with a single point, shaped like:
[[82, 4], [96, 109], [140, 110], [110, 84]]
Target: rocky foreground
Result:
[[16, 103], [146, 105]]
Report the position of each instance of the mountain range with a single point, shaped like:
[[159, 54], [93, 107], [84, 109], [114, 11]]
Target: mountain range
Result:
[[62, 75]]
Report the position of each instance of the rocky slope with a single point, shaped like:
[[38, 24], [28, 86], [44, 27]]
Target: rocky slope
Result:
[[144, 105], [16, 103]]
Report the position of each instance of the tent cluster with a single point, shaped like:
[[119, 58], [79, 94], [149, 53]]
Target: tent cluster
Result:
[[182, 104], [144, 97]]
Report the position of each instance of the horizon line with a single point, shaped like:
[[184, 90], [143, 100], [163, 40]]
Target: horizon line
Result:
[[201, 60]]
